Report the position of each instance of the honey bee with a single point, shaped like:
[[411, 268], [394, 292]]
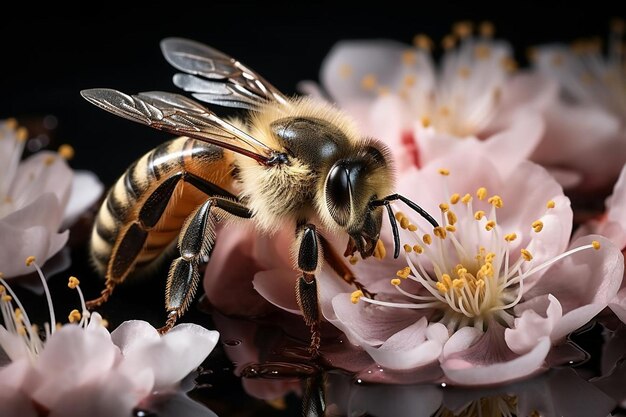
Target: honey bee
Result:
[[292, 162]]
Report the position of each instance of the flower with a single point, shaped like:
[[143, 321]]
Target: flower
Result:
[[491, 290], [38, 197], [80, 368], [586, 128], [398, 95]]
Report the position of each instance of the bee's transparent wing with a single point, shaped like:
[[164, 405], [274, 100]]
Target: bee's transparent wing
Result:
[[179, 115], [215, 77]]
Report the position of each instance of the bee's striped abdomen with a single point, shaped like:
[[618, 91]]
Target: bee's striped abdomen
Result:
[[140, 186]]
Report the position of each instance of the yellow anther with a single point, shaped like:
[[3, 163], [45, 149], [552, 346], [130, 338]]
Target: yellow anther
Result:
[[384, 91], [479, 214], [481, 193], [368, 82], [345, 71], [21, 330], [466, 199], [21, 134], [49, 160], [490, 257], [30, 260], [460, 270], [464, 72], [422, 41], [74, 316], [595, 244], [73, 282], [353, 260], [407, 248], [2, 289], [399, 215], [396, 281], [490, 225], [11, 123], [440, 232], [444, 111], [550, 204], [7, 298], [445, 278], [526, 255], [452, 219], [444, 207], [450, 228], [409, 80], [458, 283], [409, 57], [510, 237], [496, 201], [427, 239], [355, 296], [486, 29], [404, 223], [482, 52], [425, 121], [441, 287], [448, 42], [380, 251], [66, 151], [463, 29], [558, 60], [412, 228], [418, 249], [443, 171], [508, 64], [404, 272], [18, 313], [537, 226], [480, 283], [104, 323], [454, 198]]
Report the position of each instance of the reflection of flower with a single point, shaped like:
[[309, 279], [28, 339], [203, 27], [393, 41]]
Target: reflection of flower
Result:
[[81, 369], [480, 294], [586, 130], [37, 197], [398, 95]]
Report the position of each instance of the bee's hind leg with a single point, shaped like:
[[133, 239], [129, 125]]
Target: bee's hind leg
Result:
[[195, 243]]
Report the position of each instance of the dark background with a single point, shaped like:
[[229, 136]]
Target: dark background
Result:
[[48, 56]]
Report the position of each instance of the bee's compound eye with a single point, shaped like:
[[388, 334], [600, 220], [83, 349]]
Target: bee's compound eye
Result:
[[339, 187]]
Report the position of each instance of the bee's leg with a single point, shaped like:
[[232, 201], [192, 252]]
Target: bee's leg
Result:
[[309, 250], [195, 243], [338, 265]]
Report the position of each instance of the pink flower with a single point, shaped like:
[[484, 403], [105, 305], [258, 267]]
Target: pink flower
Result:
[[38, 197], [423, 111], [81, 369], [586, 125], [489, 293]]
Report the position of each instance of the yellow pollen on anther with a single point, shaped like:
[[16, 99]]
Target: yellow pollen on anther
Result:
[[345, 71], [445, 278], [450, 228], [452, 219], [479, 214], [73, 282], [368, 82], [380, 251], [18, 314], [444, 207], [396, 281], [404, 223], [458, 283], [399, 216], [508, 64], [21, 134], [384, 91], [425, 121], [464, 72], [66, 151], [2, 289], [463, 29], [104, 323], [441, 287], [440, 232], [74, 316], [443, 171], [353, 260], [407, 248], [427, 239], [49, 160], [11, 123], [408, 58], [7, 298], [550, 204], [444, 111], [422, 41], [490, 225], [481, 193], [454, 198], [355, 296], [496, 201], [448, 42], [486, 29], [510, 237], [466, 199], [537, 226], [482, 52], [490, 257], [595, 244], [526, 255], [418, 249], [409, 80], [412, 228], [30, 260], [404, 272]]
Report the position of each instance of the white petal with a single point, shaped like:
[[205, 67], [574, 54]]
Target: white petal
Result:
[[536, 320], [133, 335], [461, 340], [16, 404], [278, 287], [86, 189]]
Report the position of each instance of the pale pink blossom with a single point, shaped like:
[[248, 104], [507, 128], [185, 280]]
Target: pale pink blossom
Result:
[[81, 369], [39, 198]]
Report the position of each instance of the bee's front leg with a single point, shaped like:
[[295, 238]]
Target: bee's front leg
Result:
[[309, 253], [195, 243]]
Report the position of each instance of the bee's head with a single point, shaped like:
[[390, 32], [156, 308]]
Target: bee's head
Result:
[[351, 184]]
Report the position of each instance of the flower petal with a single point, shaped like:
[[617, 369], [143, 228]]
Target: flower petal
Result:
[[536, 320], [133, 335], [618, 305], [86, 189], [278, 287], [16, 404]]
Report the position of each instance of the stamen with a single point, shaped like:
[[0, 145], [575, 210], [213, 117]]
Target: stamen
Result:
[[353, 260], [21, 134], [481, 193], [496, 201], [427, 239], [409, 58], [486, 29], [31, 261], [407, 248], [368, 82], [463, 29], [454, 198], [537, 226], [380, 251], [425, 121], [443, 171], [450, 228], [550, 204], [418, 249], [66, 152], [490, 225], [510, 237], [444, 207], [356, 296], [423, 42], [452, 219], [412, 228], [404, 272], [440, 232], [448, 42], [404, 223], [526, 255], [479, 214], [595, 244], [466, 199], [74, 316], [345, 71], [396, 281]]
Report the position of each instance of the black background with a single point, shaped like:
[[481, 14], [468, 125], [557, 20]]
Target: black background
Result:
[[48, 55]]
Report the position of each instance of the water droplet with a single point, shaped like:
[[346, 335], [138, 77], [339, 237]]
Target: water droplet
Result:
[[443, 385], [274, 370], [143, 413], [359, 381], [232, 342]]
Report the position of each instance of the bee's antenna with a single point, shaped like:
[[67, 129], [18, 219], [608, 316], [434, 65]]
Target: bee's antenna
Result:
[[392, 219]]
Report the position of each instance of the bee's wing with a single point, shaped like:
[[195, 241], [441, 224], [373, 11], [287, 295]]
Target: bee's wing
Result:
[[216, 78], [179, 115]]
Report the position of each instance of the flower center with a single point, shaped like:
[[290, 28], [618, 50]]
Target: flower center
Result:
[[469, 271]]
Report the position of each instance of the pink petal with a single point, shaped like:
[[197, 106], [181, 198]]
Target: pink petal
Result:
[[133, 335], [15, 374], [618, 305], [536, 320], [278, 286], [311, 89], [16, 404], [86, 189], [460, 340], [387, 121]]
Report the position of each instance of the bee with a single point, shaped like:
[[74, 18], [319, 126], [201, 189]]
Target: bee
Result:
[[291, 162]]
